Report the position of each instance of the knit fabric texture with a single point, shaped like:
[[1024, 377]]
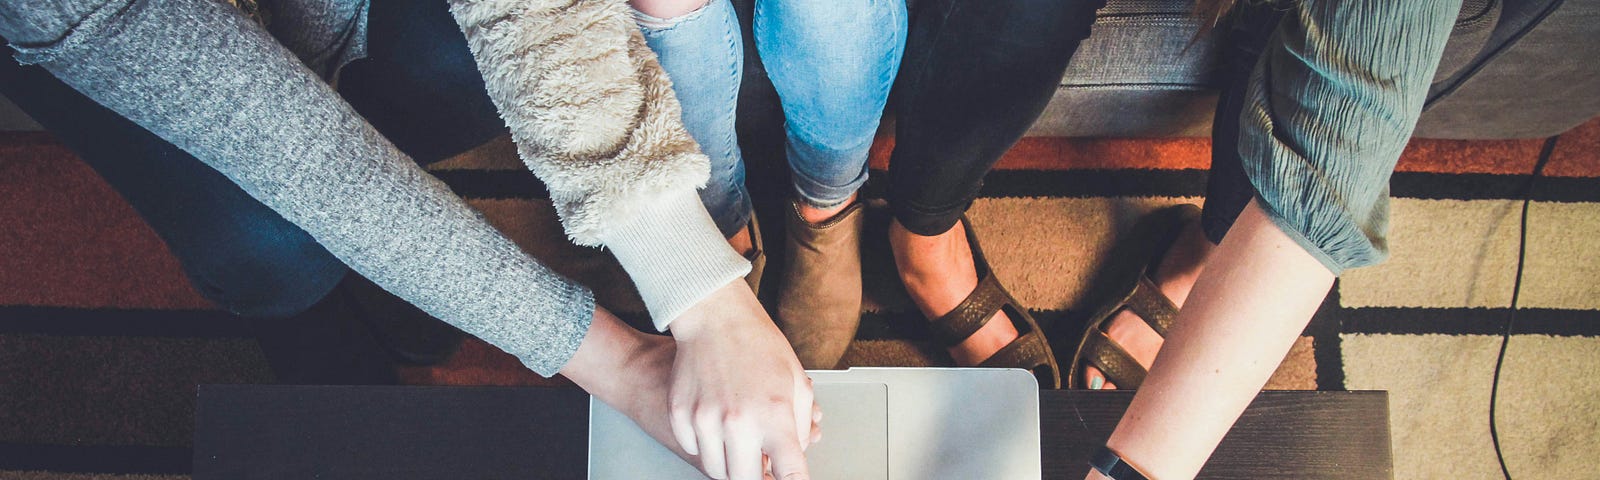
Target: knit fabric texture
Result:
[[594, 116], [203, 76]]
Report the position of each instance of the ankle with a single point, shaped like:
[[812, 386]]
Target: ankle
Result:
[[1182, 264], [817, 216], [930, 258]]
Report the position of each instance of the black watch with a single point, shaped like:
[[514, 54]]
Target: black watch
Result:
[[1109, 464]]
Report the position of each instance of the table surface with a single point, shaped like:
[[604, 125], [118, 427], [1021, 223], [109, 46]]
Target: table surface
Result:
[[348, 432]]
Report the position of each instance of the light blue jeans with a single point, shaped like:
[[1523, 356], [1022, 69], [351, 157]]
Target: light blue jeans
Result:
[[832, 63]]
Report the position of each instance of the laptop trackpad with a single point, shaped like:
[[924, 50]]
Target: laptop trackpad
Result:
[[855, 440]]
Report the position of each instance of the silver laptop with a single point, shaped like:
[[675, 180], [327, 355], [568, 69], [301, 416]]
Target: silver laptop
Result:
[[879, 424]]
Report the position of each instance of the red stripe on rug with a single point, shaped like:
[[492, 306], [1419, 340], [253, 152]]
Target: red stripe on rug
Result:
[[1575, 156], [71, 241]]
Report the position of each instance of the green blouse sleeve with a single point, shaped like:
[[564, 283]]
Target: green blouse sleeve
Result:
[[1328, 110]]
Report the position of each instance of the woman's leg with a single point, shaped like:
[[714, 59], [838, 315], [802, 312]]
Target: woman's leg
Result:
[[832, 63], [976, 76], [700, 47], [1228, 190], [237, 253]]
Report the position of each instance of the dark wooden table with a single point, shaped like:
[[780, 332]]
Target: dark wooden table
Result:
[[294, 432]]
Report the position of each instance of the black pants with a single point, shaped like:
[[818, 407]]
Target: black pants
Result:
[[978, 73]]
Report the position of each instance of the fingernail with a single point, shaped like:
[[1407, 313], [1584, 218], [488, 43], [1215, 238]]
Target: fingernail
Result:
[[1097, 382]]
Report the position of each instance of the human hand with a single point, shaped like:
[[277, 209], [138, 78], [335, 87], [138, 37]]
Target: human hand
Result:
[[738, 394]]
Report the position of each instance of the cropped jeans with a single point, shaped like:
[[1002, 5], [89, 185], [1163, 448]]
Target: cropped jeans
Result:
[[832, 63]]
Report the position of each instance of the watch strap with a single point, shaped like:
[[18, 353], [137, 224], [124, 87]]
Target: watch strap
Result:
[[1111, 465]]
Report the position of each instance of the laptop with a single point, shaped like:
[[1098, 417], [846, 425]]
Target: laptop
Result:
[[878, 424]]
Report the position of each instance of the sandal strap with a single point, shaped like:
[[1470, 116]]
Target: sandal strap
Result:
[[972, 313], [1118, 366], [1154, 307], [1027, 351], [1032, 352]]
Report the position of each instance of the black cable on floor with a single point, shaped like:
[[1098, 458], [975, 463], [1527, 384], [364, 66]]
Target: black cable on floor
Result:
[[1516, 292]]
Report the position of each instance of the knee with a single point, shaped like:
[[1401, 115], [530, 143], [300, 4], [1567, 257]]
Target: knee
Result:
[[263, 275], [40, 31]]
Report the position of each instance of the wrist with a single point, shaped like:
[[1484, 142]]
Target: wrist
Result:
[[604, 353], [675, 255], [1108, 464], [693, 325]]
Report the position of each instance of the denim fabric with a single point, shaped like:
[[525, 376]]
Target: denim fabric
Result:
[[703, 54], [237, 253], [832, 63], [200, 75], [977, 73], [419, 87]]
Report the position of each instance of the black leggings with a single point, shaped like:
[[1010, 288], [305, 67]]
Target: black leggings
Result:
[[976, 75]]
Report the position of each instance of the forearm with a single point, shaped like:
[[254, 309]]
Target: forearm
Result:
[[198, 74], [1248, 306], [594, 117]]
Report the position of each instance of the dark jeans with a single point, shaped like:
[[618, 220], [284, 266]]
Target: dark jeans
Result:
[[976, 75], [1228, 190], [418, 86]]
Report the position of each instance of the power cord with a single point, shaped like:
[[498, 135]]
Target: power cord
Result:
[[1516, 292]]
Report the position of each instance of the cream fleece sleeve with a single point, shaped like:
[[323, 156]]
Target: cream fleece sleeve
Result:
[[594, 117]]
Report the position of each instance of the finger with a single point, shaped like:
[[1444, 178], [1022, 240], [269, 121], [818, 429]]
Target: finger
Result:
[[683, 429], [788, 463], [744, 454], [816, 427], [816, 433], [708, 430], [805, 407]]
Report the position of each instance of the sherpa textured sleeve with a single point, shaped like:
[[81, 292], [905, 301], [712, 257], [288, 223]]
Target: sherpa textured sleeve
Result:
[[200, 75], [594, 117], [1328, 111]]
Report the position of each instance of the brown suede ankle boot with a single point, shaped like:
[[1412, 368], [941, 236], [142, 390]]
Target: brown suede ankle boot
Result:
[[819, 307]]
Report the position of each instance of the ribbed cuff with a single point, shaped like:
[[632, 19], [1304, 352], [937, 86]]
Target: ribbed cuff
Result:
[[674, 254]]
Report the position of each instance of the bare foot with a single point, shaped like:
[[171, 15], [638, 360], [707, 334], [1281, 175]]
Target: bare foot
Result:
[[1175, 275], [939, 273], [817, 216]]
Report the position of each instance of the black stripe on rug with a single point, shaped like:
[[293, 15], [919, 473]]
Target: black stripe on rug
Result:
[[1469, 321], [123, 459], [521, 184], [114, 322]]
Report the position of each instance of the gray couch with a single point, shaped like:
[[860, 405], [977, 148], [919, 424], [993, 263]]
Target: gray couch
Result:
[[1512, 69]]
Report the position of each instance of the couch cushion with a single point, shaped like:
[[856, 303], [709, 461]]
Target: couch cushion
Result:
[[1142, 72], [1534, 84]]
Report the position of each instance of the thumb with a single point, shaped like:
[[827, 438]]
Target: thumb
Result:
[[788, 461]]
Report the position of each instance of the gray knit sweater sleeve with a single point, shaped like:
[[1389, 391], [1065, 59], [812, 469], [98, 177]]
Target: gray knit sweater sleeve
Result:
[[200, 75], [1329, 110]]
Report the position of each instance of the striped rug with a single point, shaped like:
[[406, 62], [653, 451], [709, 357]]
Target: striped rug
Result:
[[102, 340]]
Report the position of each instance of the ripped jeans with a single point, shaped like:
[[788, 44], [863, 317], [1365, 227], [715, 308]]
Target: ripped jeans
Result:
[[832, 63]]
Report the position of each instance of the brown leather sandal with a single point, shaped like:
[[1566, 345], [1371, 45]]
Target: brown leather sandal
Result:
[[1030, 350], [1136, 292]]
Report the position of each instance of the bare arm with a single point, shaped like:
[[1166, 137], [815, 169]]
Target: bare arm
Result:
[[1248, 306]]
